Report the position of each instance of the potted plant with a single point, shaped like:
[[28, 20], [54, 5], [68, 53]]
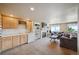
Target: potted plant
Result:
[[71, 30]]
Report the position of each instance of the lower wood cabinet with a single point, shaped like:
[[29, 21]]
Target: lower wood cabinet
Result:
[[6, 43], [23, 39], [16, 40], [12, 41]]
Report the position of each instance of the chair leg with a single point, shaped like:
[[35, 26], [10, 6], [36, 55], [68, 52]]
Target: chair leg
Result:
[[53, 41], [50, 40]]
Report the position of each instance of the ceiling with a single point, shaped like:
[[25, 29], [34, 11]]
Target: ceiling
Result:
[[42, 12]]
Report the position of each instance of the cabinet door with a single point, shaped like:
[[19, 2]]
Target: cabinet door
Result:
[[16, 40], [6, 23], [0, 44], [6, 43], [0, 20], [23, 38], [13, 22], [29, 25], [9, 22], [31, 37]]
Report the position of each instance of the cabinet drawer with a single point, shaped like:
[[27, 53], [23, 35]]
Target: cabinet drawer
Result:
[[16, 40], [6, 43]]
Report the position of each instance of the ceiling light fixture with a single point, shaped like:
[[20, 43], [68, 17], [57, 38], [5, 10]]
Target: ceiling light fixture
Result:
[[11, 15], [28, 19], [32, 9]]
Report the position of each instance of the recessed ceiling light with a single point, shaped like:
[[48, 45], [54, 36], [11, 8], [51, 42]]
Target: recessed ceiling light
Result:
[[32, 9], [11, 15], [28, 19]]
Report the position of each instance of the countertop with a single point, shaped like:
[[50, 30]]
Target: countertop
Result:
[[12, 32]]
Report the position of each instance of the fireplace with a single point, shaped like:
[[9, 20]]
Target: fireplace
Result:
[[43, 34]]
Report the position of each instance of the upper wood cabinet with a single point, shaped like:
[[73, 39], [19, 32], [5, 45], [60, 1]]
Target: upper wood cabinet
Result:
[[29, 25], [0, 22], [9, 22]]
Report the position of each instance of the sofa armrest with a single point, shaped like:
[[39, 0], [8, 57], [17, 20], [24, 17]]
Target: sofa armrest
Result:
[[68, 43]]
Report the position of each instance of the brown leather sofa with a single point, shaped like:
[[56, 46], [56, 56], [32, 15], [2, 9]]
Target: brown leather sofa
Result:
[[70, 43]]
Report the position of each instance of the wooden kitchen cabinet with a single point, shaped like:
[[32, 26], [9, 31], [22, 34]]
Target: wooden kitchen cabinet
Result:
[[6, 43], [29, 25], [0, 44], [0, 22], [9, 22], [16, 40], [23, 39]]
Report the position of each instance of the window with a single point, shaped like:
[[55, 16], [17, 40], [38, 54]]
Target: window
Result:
[[72, 27], [55, 28]]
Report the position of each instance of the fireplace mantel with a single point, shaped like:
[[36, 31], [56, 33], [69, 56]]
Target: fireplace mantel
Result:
[[43, 32]]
